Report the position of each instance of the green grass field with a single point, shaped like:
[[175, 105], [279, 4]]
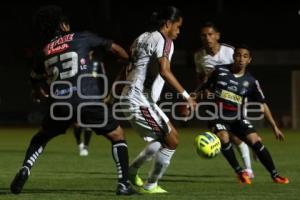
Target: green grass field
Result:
[[61, 174]]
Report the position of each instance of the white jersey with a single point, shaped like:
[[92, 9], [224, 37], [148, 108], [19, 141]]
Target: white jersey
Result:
[[204, 61], [143, 71]]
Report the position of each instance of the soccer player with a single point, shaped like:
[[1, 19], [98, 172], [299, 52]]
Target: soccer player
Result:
[[214, 53], [98, 68], [82, 144], [231, 85], [150, 67], [66, 65]]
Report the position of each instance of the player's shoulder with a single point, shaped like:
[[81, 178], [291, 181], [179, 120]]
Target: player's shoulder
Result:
[[226, 48], [250, 78], [84, 34]]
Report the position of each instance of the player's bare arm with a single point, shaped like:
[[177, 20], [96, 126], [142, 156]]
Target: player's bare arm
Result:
[[119, 51], [268, 115], [166, 73]]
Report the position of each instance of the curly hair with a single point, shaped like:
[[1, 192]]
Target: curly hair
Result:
[[47, 22]]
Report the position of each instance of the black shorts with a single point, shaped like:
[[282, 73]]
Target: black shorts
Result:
[[98, 118], [240, 128]]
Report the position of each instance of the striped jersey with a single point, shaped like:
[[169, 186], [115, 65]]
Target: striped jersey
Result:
[[143, 70]]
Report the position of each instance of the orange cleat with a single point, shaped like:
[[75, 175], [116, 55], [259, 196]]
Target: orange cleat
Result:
[[244, 178], [280, 180]]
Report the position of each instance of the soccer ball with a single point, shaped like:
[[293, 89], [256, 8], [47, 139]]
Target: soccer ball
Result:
[[207, 145]]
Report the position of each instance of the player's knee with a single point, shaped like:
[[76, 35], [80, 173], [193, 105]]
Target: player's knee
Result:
[[116, 135], [258, 146], [224, 137], [173, 143], [153, 148]]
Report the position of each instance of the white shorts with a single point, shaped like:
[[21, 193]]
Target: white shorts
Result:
[[145, 116]]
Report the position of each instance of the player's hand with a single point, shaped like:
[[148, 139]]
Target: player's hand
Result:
[[278, 134], [109, 99], [39, 95], [192, 103]]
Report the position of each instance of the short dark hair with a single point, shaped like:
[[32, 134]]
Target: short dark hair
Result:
[[47, 21], [210, 24], [242, 46], [160, 17]]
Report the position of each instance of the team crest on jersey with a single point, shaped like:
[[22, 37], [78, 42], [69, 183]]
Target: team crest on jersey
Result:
[[246, 84]]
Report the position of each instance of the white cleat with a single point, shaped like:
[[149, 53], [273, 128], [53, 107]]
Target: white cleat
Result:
[[249, 173], [83, 150]]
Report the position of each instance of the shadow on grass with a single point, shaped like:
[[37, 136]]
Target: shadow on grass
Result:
[[93, 192]]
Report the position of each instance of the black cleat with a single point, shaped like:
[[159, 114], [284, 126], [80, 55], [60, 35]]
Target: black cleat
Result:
[[122, 189], [20, 179]]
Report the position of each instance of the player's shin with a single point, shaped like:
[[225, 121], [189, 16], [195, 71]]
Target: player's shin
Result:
[[35, 149], [160, 164], [120, 155], [245, 153], [148, 152], [228, 153], [265, 157]]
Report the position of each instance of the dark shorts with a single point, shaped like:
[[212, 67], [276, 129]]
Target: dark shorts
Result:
[[98, 118], [240, 128]]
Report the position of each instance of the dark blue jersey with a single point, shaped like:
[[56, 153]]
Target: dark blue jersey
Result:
[[68, 68], [231, 91]]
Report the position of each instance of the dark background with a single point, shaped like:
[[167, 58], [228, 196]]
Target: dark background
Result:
[[264, 26]]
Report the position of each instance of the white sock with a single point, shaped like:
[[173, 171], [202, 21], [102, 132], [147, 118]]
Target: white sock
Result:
[[160, 164], [244, 151], [148, 152]]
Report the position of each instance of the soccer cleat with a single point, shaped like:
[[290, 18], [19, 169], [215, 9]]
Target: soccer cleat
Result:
[[249, 173], [136, 180], [20, 179], [122, 189], [155, 190], [244, 178], [280, 180], [83, 151]]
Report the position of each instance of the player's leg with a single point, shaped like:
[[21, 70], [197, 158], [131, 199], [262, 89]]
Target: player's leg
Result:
[[221, 131], [115, 134], [120, 156], [245, 153], [49, 130], [265, 157], [77, 130], [77, 133], [161, 161], [87, 134], [145, 155]]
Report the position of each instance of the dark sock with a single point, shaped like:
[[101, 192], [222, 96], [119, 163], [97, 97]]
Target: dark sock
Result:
[[87, 136], [36, 147], [228, 152], [265, 158], [77, 132], [120, 155]]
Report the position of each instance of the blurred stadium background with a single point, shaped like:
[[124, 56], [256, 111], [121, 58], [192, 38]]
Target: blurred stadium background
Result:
[[271, 29]]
